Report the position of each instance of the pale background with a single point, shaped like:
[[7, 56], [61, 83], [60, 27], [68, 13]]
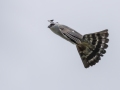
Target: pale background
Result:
[[34, 58]]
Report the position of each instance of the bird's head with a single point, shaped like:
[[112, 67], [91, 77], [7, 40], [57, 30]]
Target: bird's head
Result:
[[52, 24]]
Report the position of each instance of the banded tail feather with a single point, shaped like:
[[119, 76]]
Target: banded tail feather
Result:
[[93, 47]]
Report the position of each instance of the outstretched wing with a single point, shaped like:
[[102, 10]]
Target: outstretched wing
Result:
[[70, 34]]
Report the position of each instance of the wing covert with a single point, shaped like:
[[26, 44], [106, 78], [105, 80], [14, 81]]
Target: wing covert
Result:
[[70, 34]]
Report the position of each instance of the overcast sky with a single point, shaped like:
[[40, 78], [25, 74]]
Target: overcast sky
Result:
[[34, 58]]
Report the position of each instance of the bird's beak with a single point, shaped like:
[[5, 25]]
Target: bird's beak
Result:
[[51, 21], [49, 26]]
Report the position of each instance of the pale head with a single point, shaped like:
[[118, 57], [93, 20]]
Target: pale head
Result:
[[52, 23]]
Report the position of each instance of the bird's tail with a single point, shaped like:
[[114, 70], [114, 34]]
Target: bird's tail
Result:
[[93, 47]]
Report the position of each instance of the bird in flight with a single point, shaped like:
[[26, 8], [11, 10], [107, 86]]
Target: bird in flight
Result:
[[91, 47]]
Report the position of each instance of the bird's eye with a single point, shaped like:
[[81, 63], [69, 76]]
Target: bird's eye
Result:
[[51, 25]]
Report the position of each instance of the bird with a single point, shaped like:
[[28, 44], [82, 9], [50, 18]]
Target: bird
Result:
[[91, 47]]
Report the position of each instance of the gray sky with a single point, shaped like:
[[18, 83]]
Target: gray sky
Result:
[[34, 58]]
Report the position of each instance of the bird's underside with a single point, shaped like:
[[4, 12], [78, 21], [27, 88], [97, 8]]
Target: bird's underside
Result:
[[91, 55]]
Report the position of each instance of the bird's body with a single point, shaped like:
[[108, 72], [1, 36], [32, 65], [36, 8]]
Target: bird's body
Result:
[[59, 28], [90, 46]]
